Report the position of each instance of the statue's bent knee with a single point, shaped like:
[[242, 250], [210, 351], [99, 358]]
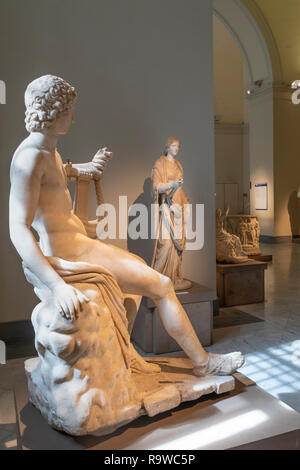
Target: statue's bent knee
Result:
[[165, 286]]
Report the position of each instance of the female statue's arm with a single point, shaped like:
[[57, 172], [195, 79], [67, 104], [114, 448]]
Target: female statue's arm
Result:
[[163, 188]]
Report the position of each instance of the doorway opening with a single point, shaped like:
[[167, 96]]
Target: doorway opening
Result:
[[243, 83]]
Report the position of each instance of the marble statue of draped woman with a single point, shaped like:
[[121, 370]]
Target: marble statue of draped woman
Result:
[[167, 179]]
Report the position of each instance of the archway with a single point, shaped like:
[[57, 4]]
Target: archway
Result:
[[247, 25]]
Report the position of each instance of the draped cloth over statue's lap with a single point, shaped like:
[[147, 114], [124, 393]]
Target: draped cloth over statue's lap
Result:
[[85, 273]]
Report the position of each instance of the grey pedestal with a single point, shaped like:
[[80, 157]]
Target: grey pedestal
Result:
[[149, 333]]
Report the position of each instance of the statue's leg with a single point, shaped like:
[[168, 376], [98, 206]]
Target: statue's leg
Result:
[[135, 277], [160, 289]]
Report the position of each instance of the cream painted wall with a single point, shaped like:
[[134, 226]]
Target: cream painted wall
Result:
[[231, 153], [286, 164], [144, 72], [275, 159], [228, 76], [283, 18]]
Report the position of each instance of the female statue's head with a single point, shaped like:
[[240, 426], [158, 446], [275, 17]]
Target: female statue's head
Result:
[[46, 99], [172, 146]]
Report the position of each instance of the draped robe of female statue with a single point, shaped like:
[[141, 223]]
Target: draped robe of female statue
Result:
[[167, 258]]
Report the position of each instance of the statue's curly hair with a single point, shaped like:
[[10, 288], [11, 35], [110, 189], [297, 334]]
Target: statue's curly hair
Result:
[[45, 98]]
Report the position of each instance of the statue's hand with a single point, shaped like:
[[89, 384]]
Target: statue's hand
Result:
[[68, 300], [99, 162], [94, 169], [177, 184]]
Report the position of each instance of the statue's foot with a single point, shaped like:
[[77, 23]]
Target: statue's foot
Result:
[[220, 364], [182, 284]]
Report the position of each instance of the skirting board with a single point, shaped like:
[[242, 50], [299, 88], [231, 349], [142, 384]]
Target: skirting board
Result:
[[16, 329], [275, 240]]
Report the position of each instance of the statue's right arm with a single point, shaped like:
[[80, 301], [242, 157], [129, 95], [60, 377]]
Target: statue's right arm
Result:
[[26, 176], [162, 188], [165, 187]]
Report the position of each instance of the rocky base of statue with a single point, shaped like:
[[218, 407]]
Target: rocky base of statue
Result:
[[154, 394], [182, 284], [88, 377]]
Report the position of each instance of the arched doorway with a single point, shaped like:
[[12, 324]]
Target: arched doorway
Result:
[[251, 33]]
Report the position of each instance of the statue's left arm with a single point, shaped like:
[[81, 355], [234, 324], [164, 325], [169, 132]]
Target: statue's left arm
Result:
[[160, 185], [92, 170]]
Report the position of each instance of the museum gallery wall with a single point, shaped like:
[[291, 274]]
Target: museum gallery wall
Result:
[[134, 92]]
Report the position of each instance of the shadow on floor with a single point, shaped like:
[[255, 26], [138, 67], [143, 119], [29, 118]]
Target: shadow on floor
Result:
[[234, 317], [8, 436]]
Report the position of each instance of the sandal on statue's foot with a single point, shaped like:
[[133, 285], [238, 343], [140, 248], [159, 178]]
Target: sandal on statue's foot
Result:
[[220, 364]]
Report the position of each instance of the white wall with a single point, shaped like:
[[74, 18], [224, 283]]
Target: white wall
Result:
[[231, 139], [143, 70], [261, 154]]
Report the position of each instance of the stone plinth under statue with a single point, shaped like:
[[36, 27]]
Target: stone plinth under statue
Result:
[[241, 284], [247, 228]]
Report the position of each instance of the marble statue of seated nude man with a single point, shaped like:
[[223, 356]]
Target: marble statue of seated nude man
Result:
[[40, 199]]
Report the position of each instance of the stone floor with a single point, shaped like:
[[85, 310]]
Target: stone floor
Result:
[[8, 427], [271, 347]]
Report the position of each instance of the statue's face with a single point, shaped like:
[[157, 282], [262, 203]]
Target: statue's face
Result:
[[174, 149], [64, 120]]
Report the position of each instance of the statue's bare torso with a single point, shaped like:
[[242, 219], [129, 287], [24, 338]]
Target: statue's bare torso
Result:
[[61, 232]]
